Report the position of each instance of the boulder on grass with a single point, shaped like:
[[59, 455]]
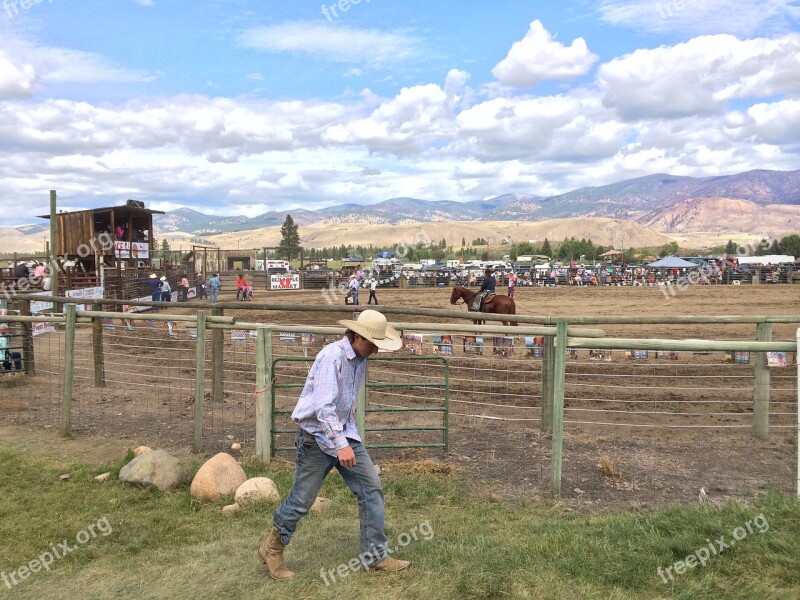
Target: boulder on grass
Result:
[[257, 489], [219, 476], [157, 467]]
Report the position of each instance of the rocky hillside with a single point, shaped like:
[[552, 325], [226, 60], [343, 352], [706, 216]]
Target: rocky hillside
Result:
[[725, 214]]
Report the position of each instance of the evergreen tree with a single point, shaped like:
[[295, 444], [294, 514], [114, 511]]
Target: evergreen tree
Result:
[[763, 247], [730, 247], [290, 238], [791, 245], [546, 249]]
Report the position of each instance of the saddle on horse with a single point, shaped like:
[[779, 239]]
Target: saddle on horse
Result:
[[481, 299]]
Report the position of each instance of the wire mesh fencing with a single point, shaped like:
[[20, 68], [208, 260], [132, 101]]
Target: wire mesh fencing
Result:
[[31, 391], [639, 427]]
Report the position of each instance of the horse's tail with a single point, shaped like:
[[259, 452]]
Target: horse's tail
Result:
[[513, 311]]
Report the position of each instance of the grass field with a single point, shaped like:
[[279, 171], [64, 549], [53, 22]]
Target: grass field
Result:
[[157, 545]]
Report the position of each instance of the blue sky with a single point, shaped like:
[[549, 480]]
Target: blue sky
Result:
[[234, 107]]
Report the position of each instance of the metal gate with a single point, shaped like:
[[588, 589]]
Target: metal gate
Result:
[[375, 399]]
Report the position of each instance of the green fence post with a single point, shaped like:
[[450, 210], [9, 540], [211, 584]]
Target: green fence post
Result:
[[97, 345], [560, 361], [761, 391], [29, 359], [264, 405], [217, 362], [199, 381], [69, 370], [548, 365], [361, 407]]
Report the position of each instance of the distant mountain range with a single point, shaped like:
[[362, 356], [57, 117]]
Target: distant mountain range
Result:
[[656, 200]]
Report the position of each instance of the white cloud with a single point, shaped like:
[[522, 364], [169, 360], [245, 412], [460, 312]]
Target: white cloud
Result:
[[405, 124], [777, 123], [340, 44], [538, 57], [143, 2], [16, 80], [700, 76], [697, 17], [544, 128], [26, 68]]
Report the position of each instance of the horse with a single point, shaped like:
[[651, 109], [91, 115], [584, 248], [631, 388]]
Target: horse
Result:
[[501, 305]]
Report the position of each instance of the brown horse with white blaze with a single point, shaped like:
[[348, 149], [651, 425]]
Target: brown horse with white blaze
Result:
[[500, 305]]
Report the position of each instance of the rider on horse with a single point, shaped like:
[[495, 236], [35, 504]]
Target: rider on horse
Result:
[[488, 287]]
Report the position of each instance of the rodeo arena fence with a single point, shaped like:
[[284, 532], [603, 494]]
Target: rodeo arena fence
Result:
[[548, 404]]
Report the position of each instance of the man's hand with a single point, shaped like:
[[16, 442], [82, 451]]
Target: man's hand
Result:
[[347, 457]]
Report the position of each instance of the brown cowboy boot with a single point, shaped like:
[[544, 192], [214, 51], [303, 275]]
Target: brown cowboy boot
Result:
[[271, 554], [389, 564]]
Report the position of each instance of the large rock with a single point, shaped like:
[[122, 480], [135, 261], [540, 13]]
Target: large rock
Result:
[[219, 476], [257, 489], [157, 467], [321, 504]]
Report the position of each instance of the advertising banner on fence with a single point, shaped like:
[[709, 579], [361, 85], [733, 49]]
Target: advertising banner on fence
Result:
[[39, 306], [127, 308], [285, 282], [85, 293], [40, 328]]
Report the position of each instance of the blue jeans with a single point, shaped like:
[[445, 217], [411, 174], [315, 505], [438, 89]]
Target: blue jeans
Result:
[[214, 295], [311, 468], [14, 357]]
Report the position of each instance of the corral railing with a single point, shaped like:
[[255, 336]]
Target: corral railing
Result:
[[638, 426]]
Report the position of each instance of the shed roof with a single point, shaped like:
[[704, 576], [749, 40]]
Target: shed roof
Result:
[[123, 210]]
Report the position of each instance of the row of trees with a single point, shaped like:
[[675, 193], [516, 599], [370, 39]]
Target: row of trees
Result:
[[789, 244]]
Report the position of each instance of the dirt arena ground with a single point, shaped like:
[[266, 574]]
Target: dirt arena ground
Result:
[[637, 433]]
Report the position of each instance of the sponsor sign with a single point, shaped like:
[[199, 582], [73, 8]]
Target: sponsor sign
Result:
[[285, 282], [122, 249], [139, 250]]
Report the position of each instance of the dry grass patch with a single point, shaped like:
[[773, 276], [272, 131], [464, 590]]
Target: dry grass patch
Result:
[[607, 467], [422, 467]]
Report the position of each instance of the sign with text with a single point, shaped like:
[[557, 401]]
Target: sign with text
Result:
[[122, 249], [140, 250], [285, 282]]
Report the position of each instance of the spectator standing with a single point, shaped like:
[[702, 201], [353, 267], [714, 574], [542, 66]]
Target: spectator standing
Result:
[[512, 284], [353, 287], [373, 285], [214, 286], [166, 290], [154, 285], [184, 288], [201, 288]]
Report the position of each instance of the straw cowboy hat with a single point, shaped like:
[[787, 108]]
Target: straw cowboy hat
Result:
[[153, 276], [163, 278], [372, 326]]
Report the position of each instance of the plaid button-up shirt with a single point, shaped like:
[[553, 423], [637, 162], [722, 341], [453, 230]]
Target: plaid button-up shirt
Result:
[[327, 405]]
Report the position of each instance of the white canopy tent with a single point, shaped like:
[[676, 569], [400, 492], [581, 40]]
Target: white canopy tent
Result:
[[672, 262]]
